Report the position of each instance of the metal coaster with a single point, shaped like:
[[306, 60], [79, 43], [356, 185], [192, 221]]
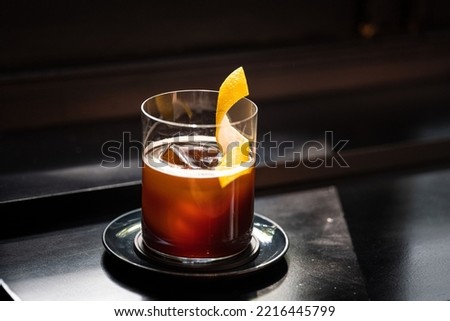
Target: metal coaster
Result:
[[121, 239]]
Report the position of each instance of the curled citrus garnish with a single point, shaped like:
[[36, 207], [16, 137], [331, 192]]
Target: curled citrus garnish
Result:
[[233, 144]]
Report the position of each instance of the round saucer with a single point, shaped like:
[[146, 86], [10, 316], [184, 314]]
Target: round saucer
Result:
[[120, 235]]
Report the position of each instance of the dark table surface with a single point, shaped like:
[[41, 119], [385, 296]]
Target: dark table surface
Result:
[[379, 237], [71, 263], [400, 227]]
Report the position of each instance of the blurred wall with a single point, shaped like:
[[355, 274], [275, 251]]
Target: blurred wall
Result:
[[72, 61]]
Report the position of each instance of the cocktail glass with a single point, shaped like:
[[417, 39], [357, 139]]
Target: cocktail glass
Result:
[[197, 202]]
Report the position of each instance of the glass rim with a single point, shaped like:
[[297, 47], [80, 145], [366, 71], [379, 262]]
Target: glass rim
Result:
[[172, 123]]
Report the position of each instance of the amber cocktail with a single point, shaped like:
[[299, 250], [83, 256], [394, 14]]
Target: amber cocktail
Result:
[[197, 202]]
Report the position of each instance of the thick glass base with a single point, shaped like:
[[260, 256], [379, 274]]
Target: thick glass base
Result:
[[198, 264]]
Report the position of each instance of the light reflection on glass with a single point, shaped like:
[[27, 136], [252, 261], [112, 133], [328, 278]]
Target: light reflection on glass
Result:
[[263, 232], [124, 232]]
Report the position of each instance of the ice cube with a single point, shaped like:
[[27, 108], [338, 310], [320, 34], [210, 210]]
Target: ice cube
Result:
[[191, 155], [176, 155], [206, 155]]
